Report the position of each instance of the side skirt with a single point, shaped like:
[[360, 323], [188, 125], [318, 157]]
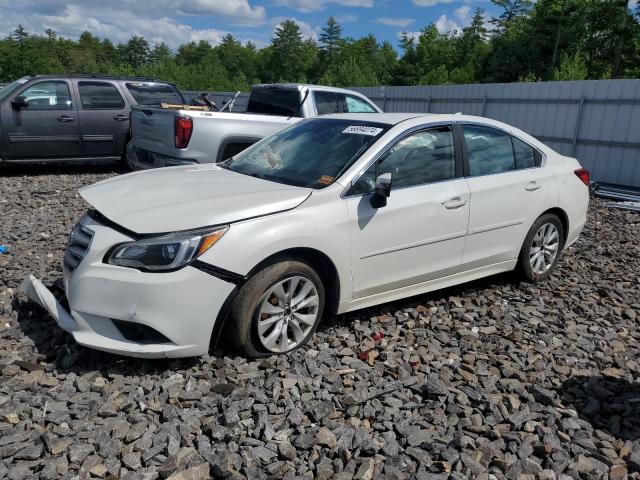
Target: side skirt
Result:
[[424, 287]]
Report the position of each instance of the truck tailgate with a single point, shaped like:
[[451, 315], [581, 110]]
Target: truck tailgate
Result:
[[152, 128]]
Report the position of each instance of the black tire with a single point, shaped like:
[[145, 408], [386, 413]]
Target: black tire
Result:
[[242, 325], [525, 268], [125, 159]]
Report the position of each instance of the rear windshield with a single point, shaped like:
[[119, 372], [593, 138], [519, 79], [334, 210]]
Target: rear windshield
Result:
[[146, 93], [272, 101]]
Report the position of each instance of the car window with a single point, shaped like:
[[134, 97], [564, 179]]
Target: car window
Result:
[[327, 102], [488, 150], [152, 93], [100, 95], [275, 101], [313, 153], [526, 155], [49, 95], [422, 157], [358, 105]]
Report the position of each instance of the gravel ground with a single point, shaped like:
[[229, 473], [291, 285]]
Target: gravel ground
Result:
[[493, 379]]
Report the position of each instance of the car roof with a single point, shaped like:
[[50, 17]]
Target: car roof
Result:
[[299, 86], [388, 118], [396, 118]]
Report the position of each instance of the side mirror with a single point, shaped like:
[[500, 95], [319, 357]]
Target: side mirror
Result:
[[20, 102], [382, 191]]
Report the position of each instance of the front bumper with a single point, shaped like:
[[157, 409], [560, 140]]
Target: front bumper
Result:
[[182, 306], [140, 158]]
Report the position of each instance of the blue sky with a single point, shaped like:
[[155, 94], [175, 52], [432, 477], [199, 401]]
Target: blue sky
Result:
[[180, 21]]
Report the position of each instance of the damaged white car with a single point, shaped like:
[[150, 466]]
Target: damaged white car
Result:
[[330, 215]]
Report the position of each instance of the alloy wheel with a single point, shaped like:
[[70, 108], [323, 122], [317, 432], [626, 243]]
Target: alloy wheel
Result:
[[544, 248], [287, 313]]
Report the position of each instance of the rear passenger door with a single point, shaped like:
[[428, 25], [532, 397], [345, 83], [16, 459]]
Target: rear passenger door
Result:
[[509, 190], [104, 118]]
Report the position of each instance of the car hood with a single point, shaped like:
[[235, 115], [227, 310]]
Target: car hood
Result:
[[183, 198]]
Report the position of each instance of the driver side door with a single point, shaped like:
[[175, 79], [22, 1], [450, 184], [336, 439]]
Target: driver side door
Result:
[[47, 128], [420, 234]]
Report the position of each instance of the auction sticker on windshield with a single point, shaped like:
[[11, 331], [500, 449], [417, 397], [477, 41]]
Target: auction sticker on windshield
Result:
[[362, 130]]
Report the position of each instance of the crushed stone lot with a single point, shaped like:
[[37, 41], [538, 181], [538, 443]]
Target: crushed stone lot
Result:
[[493, 379]]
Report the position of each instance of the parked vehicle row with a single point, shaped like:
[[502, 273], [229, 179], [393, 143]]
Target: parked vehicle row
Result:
[[164, 137], [48, 118], [331, 214]]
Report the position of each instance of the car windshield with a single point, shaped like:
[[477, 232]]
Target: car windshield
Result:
[[312, 153], [10, 88], [149, 93]]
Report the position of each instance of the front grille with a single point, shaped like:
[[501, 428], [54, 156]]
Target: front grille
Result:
[[78, 245]]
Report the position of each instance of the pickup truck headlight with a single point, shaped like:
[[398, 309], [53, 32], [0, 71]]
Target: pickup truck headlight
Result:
[[164, 253]]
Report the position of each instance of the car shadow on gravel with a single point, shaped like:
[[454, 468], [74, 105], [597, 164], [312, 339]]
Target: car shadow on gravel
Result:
[[607, 403], [38, 169], [505, 279]]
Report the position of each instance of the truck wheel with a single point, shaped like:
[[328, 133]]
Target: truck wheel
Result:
[[277, 310]]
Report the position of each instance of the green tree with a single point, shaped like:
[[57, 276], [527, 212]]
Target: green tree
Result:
[[288, 53], [330, 39], [135, 52], [571, 68], [511, 9]]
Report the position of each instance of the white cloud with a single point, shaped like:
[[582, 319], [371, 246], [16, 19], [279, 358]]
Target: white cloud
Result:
[[346, 18], [446, 25], [228, 8], [429, 3], [463, 13], [315, 5], [118, 20], [395, 22]]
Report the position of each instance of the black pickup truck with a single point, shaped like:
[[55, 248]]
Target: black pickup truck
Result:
[[47, 118]]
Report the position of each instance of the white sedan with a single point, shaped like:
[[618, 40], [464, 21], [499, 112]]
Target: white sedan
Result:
[[330, 215]]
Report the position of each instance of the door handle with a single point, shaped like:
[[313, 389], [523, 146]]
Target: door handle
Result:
[[121, 118], [454, 203], [532, 186], [66, 118]]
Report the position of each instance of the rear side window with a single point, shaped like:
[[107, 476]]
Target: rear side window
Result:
[[327, 102], [151, 93], [526, 155], [275, 101], [488, 150], [50, 95], [357, 105], [100, 96]]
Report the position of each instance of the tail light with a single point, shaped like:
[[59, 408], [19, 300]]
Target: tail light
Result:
[[183, 129], [583, 174]]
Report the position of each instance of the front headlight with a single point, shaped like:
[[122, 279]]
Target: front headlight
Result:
[[168, 252]]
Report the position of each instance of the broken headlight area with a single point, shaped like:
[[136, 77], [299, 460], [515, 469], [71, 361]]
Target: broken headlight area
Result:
[[164, 253]]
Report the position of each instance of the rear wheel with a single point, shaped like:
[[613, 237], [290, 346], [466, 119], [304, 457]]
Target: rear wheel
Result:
[[277, 310], [541, 249]]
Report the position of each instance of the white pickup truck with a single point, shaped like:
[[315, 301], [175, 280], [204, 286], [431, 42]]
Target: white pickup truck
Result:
[[165, 137]]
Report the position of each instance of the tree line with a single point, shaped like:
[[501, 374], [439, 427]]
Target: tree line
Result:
[[526, 41]]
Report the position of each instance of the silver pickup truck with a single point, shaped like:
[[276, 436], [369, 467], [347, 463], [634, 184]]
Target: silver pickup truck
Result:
[[165, 137]]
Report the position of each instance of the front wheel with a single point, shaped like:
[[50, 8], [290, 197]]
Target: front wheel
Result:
[[277, 310], [541, 249]]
